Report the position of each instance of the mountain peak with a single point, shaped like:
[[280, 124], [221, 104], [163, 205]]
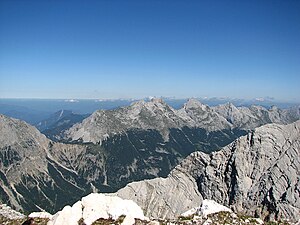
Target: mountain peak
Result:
[[154, 103], [157, 100], [273, 108], [138, 103], [230, 105], [193, 103]]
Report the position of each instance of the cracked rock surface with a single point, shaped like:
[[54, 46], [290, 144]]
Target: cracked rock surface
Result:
[[258, 175]]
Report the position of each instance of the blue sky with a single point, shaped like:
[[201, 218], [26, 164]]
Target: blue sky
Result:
[[133, 49]]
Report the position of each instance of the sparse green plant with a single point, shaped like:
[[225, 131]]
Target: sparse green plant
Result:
[[190, 217]]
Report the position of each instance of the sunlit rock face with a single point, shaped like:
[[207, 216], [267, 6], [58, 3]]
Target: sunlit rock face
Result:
[[258, 175]]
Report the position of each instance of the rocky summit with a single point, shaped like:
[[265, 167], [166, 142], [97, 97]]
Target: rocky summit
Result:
[[258, 175]]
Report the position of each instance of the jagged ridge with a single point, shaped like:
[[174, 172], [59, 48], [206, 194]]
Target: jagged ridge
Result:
[[157, 115]]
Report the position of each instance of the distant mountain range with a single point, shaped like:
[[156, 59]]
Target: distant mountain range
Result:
[[35, 110], [110, 148], [159, 116]]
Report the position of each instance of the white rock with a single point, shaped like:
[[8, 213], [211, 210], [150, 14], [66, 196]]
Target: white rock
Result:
[[260, 221], [210, 207], [154, 222], [207, 222], [44, 215], [128, 220], [190, 212], [164, 197], [9, 213], [95, 206]]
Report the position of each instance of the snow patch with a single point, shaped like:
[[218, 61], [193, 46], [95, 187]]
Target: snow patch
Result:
[[207, 207], [210, 206]]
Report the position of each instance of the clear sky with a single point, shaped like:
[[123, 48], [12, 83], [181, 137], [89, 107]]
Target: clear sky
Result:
[[133, 49]]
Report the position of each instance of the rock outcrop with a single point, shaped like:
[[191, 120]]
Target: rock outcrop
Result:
[[257, 174], [164, 197], [9, 213]]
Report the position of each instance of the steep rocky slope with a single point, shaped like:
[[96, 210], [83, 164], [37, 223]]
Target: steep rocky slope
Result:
[[30, 177], [36, 172], [257, 174]]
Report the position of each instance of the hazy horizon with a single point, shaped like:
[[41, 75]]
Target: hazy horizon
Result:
[[134, 49], [258, 99]]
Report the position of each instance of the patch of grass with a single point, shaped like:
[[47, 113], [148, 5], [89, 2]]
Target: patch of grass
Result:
[[108, 221], [182, 218]]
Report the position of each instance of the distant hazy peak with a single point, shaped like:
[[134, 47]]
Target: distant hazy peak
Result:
[[229, 105], [158, 115], [152, 102], [157, 100], [138, 103], [194, 103], [274, 108]]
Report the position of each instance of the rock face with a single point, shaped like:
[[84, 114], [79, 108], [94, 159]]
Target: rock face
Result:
[[164, 197], [260, 174], [257, 174], [31, 177]]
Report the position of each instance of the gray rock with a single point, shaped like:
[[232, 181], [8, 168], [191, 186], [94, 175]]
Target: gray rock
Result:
[[249, 118], [257, 175], [164, 197]]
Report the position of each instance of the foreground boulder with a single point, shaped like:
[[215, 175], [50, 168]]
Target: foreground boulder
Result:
[[98, 206]]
